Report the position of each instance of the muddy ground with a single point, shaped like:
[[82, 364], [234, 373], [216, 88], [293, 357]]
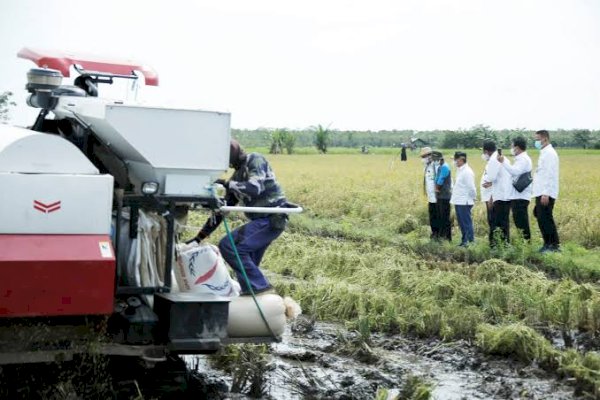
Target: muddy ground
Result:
[[318, 361], [313, 361]]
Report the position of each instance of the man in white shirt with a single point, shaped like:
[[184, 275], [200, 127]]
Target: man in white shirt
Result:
[[485, 192], [430, 171], [501, 184], [545, 190], [519, 201], [463, 197]]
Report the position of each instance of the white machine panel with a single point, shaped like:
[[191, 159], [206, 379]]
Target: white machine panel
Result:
[[55, 204], [23, 150], [185, 184], [173, 147], [174, 139]]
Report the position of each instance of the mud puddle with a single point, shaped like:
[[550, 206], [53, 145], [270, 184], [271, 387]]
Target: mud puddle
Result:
[[324, 361]]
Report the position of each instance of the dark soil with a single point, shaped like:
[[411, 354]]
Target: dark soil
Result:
[[313, 361], [324, 361]]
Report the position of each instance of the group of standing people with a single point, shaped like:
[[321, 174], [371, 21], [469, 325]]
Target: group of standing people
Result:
[[505, 186]]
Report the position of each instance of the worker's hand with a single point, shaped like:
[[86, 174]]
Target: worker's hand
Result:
[[500, 159], [545, 200], [223, 182], [198, 238], [487, 185], [192, 240]]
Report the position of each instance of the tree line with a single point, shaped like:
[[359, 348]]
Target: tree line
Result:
[[279, 140]]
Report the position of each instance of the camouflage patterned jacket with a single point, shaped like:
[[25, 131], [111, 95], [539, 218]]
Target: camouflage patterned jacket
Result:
[[253, 185]]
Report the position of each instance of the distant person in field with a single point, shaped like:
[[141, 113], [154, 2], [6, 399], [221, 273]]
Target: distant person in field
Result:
[[519, 200], [463, 197], [501, 183], [253, 183], [403, 153], [545, 191]]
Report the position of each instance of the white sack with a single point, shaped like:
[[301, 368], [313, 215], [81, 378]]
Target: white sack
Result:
[[201, 269], [245, 320]]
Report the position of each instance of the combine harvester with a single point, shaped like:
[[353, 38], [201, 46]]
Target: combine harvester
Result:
[[80, 270]]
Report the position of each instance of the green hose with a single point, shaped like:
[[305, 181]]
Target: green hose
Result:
[[243, 269]]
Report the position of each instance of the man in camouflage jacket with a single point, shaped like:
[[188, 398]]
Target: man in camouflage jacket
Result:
[[253, 184]]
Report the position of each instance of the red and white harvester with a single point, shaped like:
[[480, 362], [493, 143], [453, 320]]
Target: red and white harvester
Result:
[[73, 187]]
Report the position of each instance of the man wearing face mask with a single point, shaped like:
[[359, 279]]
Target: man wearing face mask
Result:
[[463, 197], [443, 192], [485, 191], [501, 183], [545, 190], [519, 200], [430, 170]]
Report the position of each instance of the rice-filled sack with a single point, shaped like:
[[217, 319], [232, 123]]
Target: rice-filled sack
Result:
[[201, 269], [245, 320]]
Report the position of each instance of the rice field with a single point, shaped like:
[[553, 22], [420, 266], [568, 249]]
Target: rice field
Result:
[[361, 255]]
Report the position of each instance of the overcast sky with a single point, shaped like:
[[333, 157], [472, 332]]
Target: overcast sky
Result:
[[410, 64]]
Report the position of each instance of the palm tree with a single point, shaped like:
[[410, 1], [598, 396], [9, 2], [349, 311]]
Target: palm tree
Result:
[[322, 137]]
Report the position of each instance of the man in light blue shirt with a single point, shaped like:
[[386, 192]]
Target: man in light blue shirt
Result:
[[443, 191]]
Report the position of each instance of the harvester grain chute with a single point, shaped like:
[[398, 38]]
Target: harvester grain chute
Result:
[[75, 186]]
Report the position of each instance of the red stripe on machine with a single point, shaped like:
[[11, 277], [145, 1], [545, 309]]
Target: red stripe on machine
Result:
[[46, 208]]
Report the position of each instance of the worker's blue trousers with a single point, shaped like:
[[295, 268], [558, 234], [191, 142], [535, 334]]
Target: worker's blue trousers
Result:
[[251, 241]]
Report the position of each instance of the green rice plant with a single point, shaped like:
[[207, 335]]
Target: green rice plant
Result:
[[495, 270], [517, 340], [408, 224], [247, 364], [383, 394], [586, 371], [415, 388], [358, 346], [595, 316]]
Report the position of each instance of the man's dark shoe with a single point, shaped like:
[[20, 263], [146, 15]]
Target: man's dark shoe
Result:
[[266, 290]]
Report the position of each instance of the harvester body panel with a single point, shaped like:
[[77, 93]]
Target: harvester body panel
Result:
[[56, 275]]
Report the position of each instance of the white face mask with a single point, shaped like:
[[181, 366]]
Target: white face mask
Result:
[[512, 151], [485, 157], [424, 160], [456, 163]]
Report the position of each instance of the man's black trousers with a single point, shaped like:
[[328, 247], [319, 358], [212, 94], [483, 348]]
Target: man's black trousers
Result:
[[519, 209], [445, 225], [500, 221], [434, 220], [545, 218]]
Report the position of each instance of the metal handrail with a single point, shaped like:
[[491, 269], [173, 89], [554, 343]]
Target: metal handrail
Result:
[[262, 210]]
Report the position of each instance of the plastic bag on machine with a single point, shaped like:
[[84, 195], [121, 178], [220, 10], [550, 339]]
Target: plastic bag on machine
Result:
[[201, 269]]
